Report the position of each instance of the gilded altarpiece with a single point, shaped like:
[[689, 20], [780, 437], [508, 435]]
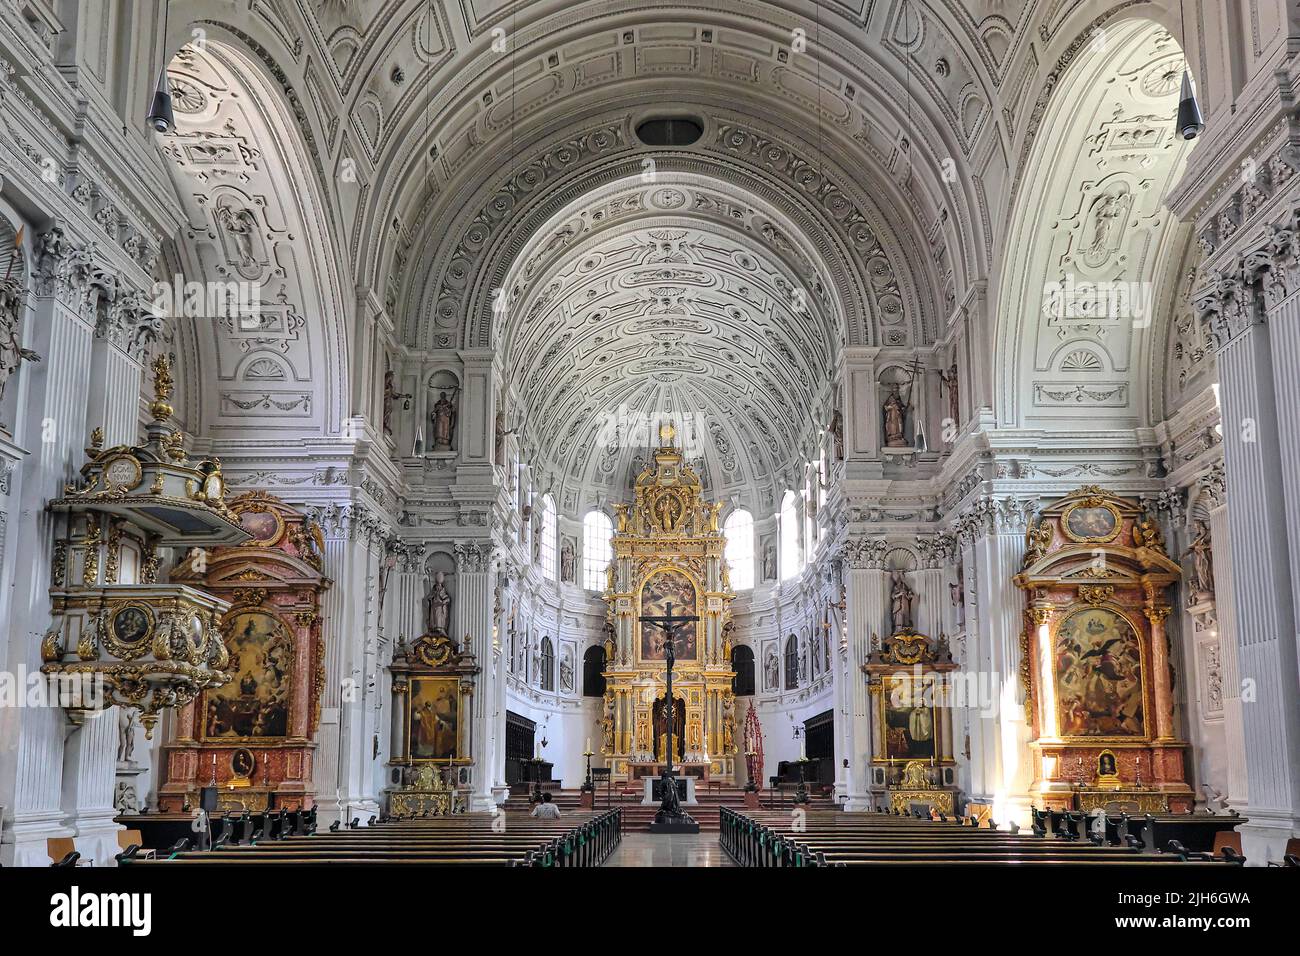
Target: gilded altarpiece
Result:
[[1096, 667], [908, 676], [253, 738], [433, 688], [668, 550]]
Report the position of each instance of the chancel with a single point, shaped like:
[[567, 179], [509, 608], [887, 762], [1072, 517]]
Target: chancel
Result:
[[592, 433]]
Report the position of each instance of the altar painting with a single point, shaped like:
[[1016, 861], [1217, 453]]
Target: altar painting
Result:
[[434, 722], [1098, 675], [660, 590], [255, 702], [908, 719]]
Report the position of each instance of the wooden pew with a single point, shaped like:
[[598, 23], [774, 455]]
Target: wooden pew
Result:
[[840, 839], [581, 840]]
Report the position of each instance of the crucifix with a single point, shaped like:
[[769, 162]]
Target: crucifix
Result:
[[670, 811]]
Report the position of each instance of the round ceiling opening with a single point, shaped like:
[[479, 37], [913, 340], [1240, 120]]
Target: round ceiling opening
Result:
[[669, 131]]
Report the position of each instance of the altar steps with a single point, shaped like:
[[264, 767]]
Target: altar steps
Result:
[[637, 818]]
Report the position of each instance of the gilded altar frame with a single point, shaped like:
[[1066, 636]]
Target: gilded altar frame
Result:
[[917, 663], [668, 527], [433, 660], [1124, 570], [279, 575]]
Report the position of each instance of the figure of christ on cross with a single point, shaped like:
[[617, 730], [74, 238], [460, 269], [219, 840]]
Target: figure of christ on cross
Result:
[[670, 818]]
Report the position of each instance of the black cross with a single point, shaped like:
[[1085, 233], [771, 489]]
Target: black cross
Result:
[[670, 808]]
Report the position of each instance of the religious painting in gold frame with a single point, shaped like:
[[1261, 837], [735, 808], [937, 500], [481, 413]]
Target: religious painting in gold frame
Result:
[[265, 524], [1098, 665], [256, 703], [908, 718], [1091, 521], [435, 721], [659, 589]]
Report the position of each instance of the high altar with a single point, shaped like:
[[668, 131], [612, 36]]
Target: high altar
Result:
[[668, 550]]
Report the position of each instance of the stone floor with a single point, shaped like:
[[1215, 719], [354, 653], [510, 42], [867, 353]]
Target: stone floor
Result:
[[678, 849]]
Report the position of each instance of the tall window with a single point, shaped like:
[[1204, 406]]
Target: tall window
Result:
[[597, 551], [739, 530], [789, 531], [548, 538], [791, 662], [546, 665]]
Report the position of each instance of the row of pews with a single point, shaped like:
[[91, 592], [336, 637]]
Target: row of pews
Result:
[[831, 838], [578, 839]]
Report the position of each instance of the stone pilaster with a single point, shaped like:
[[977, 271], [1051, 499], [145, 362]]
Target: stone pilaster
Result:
[[1241, 310], [866, 585], [474, 614], [52, 426], [1001, 770]]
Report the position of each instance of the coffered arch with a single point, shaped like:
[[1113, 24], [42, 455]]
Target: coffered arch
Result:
[[682, 299], [857, 111]]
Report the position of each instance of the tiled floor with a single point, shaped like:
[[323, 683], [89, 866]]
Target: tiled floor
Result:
[[678, 849]]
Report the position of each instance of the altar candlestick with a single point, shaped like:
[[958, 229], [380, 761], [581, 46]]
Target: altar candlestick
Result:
[[803, 751]]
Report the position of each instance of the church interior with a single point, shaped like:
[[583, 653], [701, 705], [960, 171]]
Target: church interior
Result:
[[604, 433]]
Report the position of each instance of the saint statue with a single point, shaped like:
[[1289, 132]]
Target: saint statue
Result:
[[901, 598], [607, 725], [566, 561], [836, 428], [439, 606], [500, 430], [12, 354], [391, 394], [949, 380], [1203, 560], [125, 736], [772, 671], [957, 594], [769, 563], [895, 414], [444, 422]]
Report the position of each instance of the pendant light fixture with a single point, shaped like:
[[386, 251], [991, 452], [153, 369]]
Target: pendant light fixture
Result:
[[161, 117], [1190, 123]]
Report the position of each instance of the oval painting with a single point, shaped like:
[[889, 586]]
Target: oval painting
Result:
[[1095, 523]]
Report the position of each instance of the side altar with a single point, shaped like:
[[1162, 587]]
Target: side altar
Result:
[[1098, 671], [668, 553]]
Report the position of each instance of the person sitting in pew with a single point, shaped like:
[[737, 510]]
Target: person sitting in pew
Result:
[[547, 809]]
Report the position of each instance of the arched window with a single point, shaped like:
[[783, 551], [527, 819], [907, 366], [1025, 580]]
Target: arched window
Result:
[[791, 662], [546, 665], [593, 672], [788, 522], [742, 662], [597, 551], [548, 538], [739, 530]]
